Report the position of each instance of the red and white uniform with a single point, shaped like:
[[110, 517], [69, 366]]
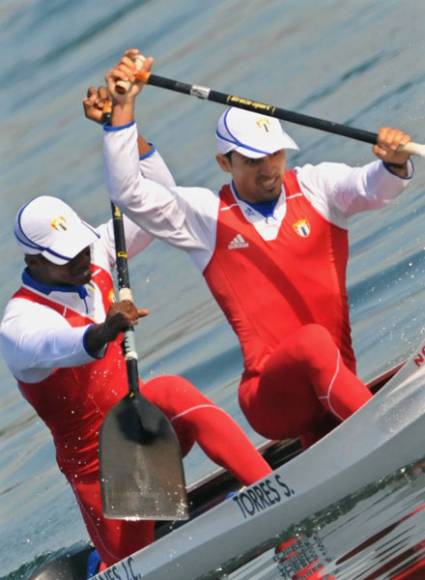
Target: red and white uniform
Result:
[[280, 279], [42, 340]]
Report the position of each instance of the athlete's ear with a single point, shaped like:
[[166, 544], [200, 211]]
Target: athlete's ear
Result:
[[224, 163]]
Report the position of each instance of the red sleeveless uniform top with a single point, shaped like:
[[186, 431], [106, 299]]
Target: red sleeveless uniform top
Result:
[[268, 289], [73, 401]]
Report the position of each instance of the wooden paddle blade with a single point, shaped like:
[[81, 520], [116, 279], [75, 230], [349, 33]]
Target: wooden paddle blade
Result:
[[141, 470]]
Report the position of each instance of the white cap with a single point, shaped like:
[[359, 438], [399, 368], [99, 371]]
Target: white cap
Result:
[[250, 134], [48, 226]]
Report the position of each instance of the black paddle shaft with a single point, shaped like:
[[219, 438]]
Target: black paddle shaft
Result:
[[124, 283], [120, 248], [206, 93]]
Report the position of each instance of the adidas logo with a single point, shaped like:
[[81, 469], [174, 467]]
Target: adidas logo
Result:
[[237, 243]]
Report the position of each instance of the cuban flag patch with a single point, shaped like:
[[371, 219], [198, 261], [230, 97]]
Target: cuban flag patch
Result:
[[302, 228]]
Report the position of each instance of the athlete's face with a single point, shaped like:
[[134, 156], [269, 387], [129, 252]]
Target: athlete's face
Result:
[[256, 180], [76, 272]]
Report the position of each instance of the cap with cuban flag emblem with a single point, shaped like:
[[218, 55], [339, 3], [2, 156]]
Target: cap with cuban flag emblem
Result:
[[48, 226], [250, 134]]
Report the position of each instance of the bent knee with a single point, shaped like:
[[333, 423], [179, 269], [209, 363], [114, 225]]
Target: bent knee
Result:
[[173, 393], [312, 341], [315, 333]]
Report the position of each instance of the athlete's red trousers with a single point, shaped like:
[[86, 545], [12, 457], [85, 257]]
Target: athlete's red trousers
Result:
[[195, 419], [305, 388]]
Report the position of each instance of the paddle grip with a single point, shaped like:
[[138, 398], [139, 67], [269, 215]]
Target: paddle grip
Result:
[[123, 87], [129, 344], [125, 294], [414, 149]]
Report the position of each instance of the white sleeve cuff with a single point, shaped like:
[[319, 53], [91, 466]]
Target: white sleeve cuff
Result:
[[100, 353]]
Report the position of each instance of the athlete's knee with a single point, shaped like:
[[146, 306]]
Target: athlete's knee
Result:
[[181, 401], [314, 342], [173, 391], [315, 334]]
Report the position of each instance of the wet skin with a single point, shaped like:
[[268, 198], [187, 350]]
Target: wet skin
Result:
[[256, 180]]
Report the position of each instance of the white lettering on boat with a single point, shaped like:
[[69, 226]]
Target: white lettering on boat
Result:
[[121, 571], [263, 495]]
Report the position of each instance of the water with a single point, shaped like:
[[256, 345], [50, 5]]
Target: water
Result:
[[356, 62], [373, 533]]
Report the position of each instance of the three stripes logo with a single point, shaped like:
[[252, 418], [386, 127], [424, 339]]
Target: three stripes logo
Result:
[[238, 243]]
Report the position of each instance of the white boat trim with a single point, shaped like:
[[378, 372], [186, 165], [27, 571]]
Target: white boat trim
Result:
[[358, 452]]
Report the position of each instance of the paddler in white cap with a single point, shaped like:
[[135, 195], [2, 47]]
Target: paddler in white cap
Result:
[[61, 339], [272, 245]]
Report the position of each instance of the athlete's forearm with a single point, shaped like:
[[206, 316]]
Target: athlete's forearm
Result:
[[351, 189], [377, 186], [96, 339], [148, 203], [122, 113], [152, 166]]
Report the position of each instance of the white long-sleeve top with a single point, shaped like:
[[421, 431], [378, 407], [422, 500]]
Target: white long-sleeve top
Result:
[[186, 217], [35, 339]]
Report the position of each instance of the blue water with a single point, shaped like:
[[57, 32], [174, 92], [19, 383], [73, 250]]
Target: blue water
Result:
[[357, 62]]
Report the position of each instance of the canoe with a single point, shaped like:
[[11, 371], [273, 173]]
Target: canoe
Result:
[[381, 437], [203, 495]]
